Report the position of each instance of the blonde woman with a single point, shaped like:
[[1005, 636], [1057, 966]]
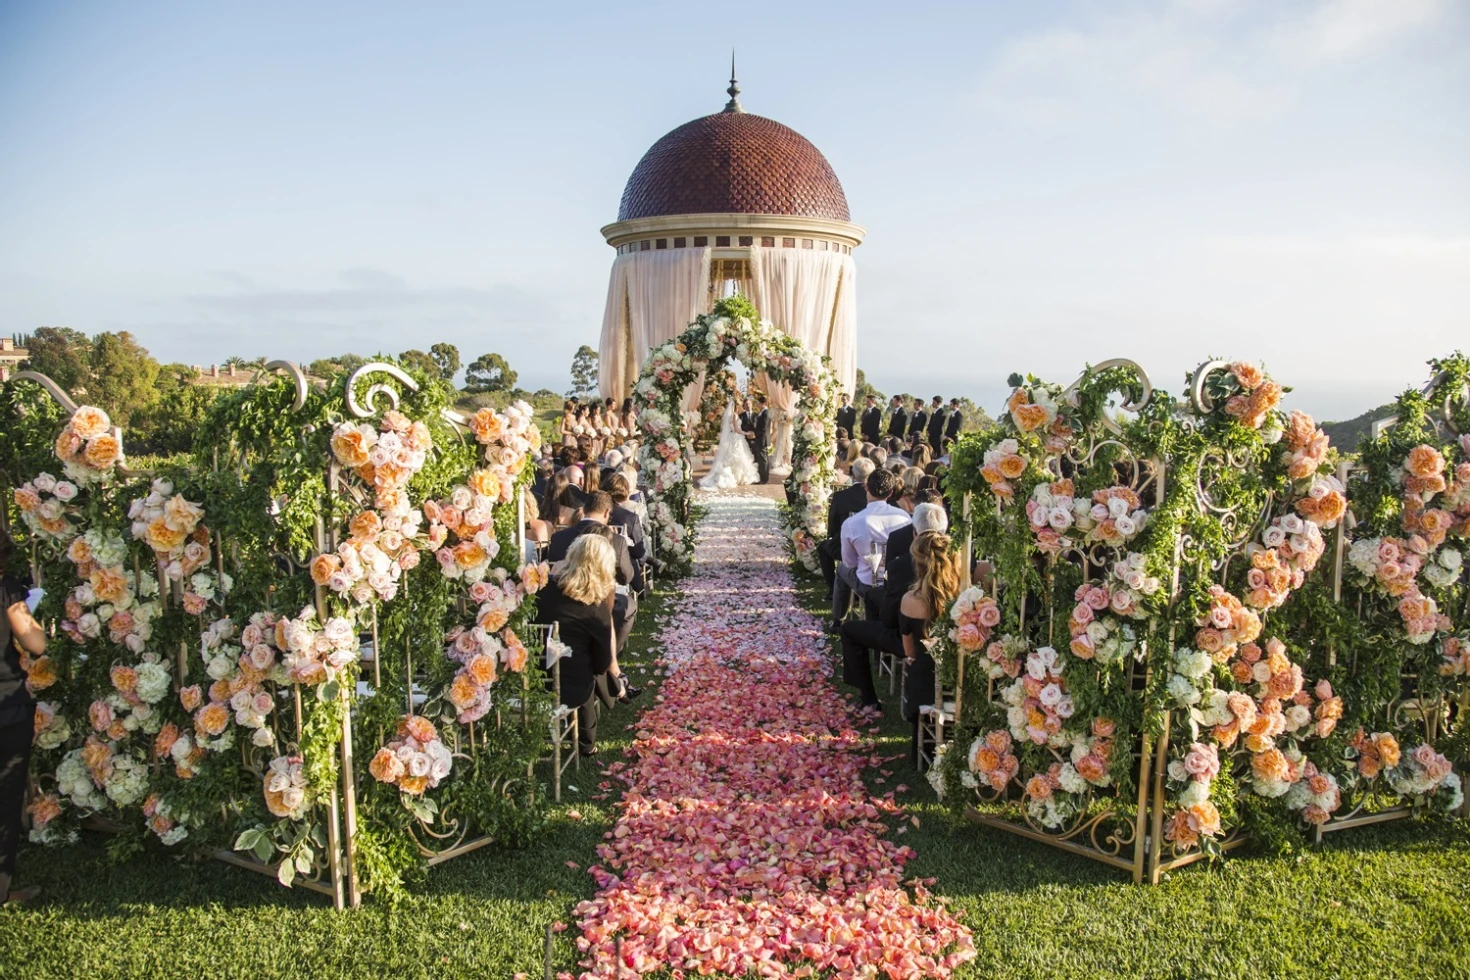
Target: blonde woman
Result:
[[568, 424], [580, 600], [936, 584]]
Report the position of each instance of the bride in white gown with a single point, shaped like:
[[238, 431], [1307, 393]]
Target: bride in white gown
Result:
[[733, 465]]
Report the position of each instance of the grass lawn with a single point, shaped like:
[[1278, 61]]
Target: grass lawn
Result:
[[1378, 902]]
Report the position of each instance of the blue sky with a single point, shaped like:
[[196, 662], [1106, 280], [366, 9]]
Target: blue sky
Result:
[[1043, 184]]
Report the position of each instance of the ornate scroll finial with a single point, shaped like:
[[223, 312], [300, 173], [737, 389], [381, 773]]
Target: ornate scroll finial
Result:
[[734, 90]]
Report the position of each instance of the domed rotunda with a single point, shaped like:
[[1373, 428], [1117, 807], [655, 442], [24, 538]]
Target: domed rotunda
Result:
[[731, 202]]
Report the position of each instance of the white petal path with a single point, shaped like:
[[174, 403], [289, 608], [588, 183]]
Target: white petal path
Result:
[[747, 843]]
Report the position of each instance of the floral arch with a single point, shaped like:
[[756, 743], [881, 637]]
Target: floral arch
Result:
[[734, 330]]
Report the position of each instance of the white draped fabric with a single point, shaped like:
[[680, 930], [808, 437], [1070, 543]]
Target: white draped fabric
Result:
[[811, 295], [651, 297]]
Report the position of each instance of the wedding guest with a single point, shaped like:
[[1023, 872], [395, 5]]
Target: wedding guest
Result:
[[19, 631], [859, 636], [922, 456], [918, 422], [863, 537], [840, 506], [872, 420], [558, 506], [898, 421], [595, 516], [846, 413], [955, 422], [936, 423], [579, 599], [623, 517], [929, 515], [879, 456], [936, 584], [629, 419], [567, 427]]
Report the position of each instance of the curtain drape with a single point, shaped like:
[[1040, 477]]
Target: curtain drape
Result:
[[802, 292], [652, 297]]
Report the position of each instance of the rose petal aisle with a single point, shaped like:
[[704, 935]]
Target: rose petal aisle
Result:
[[747, 842]]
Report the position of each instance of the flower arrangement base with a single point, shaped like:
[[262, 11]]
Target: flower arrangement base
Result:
[[1121, 847]]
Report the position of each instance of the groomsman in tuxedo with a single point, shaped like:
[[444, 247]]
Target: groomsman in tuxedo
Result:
[[747, 418], [936, 424], [847, 416], [956, 420], [918, 422], [872, 421], [759, 435], [898, 422]]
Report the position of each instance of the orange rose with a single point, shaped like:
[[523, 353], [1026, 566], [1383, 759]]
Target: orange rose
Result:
[[413, 785], [463, 691], [212, 719], [364, 527], [416, 726], [41, 674], [161, 537], [103, 452], [1424, 461], [191, 697], [1206, 817], [323, 567], [27, 499], [124, 678], [493, 619], [485, 482], [350, 444], [163, 743], [1029, 418], [89, 422], [485, 424], [1012, 466], [386, 767], [482, 670], [1018, 398], [1247, 374], [468, 554], [986, 759], [110, 584]]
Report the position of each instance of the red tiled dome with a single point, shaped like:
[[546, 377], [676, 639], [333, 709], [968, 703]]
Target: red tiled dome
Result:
[[734, 163]]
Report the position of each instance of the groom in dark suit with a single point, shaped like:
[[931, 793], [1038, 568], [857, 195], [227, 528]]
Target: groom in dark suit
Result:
[[759, 436]]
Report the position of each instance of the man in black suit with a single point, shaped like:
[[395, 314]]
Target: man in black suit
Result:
[[956, 420], [847, 415], [596, 514], [936, 424], [872, 421], [759, 436], [898, 422], [747, 417], [881, 632], [840, 506], [918, 421]]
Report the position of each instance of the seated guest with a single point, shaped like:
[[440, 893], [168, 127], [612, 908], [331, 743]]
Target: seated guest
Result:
[[922, 456], [579, 600], [622, 517], [559, 507], [927, 603], [859, 636], [595, 517], [879, 456], [863, 536], [840, 506], [929, 515]]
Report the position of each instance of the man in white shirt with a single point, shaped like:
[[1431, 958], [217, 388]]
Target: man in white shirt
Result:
[[864, 536]]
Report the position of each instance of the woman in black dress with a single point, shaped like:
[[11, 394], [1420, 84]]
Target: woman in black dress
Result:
[[920, 614], [17, 713], [580, 600]]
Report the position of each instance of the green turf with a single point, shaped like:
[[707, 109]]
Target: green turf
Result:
[[1385, 901]]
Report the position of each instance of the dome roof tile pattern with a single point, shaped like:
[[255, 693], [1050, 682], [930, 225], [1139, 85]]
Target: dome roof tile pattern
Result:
[[734, 163]]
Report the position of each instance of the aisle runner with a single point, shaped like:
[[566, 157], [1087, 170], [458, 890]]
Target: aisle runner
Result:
[[747, 842]]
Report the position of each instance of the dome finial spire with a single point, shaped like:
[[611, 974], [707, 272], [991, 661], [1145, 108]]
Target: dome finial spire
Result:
[[734, 90]]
